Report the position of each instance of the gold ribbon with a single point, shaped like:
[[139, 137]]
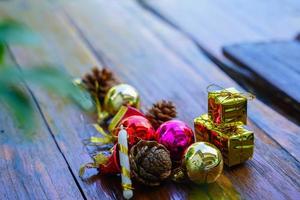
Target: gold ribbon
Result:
[[123, 149], [223, 132], [125, 172], [98, 160], [84, 167], [94, 141], [228, 94], [127, 187], [221, 128], [117, 118]]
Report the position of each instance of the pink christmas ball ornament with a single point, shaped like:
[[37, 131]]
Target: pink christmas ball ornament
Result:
[[176, 136]]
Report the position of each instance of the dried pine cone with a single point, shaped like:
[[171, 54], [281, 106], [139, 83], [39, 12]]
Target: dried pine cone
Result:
[[150, 162], [161, 112], [98, 82]]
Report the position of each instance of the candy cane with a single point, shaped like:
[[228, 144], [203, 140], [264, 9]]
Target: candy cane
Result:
[[124, 162]]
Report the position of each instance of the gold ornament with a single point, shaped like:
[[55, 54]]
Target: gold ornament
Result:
[[203, 163], [119, 95]]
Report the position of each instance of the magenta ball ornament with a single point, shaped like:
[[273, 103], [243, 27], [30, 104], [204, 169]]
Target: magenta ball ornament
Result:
[[176, 136]]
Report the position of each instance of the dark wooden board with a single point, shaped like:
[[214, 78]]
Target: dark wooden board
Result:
[[214, 24], [68, 123], [146, 53], [186, 51], [141, 53], [60, 47], [276, 62], [32, 168], [31, 164], [217, 23]]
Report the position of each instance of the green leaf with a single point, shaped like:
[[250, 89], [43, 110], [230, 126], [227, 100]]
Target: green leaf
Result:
[[59, 83], [2, 54], [20, 105], [10, 75], [50, 79], [14, 32]]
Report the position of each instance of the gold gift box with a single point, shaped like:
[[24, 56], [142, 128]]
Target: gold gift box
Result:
[[227, 106], [235, 142]]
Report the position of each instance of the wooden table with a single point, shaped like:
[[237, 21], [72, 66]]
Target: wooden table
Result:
[[167, 49]]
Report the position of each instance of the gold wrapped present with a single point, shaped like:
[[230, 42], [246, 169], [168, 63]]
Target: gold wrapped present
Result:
[[236, 143], [227, 106]]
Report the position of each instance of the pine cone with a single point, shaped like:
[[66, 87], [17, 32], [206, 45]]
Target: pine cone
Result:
[[150, 162], [161, 112], [98, 82]]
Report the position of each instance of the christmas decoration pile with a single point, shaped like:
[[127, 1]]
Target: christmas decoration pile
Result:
[[224, 125], [153, 147]]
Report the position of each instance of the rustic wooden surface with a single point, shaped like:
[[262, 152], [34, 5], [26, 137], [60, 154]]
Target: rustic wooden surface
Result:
[[161, 62], [212, 24], [277, 62]]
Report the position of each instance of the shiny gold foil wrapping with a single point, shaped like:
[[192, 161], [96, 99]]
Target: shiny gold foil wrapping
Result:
[[227, 106], [203, 163], [236, 143], [119, 95]]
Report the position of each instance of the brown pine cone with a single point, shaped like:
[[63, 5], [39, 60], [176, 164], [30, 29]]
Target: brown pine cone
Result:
[[98, 82], [150, 162], [161, 112]]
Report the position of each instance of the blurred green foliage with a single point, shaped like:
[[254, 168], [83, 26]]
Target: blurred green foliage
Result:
[[12, 79]]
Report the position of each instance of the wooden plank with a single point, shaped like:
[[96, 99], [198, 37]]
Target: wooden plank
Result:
[[59, 47], [65, 121], [277, 62], [193, 57], [142, 59], [31, 165], [140, 53], [32, 168], [217, 23], [213, 24]]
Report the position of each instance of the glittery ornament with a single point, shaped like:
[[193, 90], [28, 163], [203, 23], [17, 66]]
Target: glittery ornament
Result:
[[176, 136], [119, 95], [137, 127], [203, 163], [124, 112]]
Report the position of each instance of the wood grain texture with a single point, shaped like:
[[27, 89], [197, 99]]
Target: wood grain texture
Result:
[[157, 60], [217, 23], [277, 62], [214, 24], [32, 168], [67, 123], [143, 53], [31, 165], [190, 55], [61, 48]]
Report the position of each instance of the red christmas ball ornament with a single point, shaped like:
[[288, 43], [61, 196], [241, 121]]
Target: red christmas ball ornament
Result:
[[137, 127], [176, 136]]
